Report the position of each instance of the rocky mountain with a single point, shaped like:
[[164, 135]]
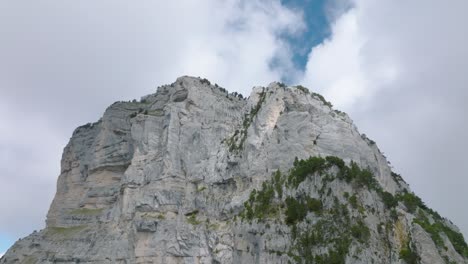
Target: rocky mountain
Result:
[[192, 174]]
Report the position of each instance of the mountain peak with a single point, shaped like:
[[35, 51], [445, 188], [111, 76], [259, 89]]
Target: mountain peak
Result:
[[194, 174]]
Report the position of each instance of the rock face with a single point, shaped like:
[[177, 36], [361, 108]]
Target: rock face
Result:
[[192, 174]]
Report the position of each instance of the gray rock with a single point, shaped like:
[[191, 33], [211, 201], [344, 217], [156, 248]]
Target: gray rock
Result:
[[146, 226], [164, 180]]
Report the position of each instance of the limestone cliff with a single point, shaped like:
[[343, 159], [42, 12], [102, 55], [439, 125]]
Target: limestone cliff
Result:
[[192, 174]]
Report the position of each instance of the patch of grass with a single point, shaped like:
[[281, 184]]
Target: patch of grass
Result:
[[161, 217], [192, 219], [213, 226], [201, 188], [87, 211], [65, 231], [155, 112]]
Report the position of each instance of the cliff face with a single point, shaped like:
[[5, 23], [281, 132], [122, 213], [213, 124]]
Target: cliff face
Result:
[[192, 174]]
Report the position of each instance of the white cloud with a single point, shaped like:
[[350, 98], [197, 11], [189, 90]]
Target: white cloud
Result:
[[400, 71], [30, 148], [334, 67]]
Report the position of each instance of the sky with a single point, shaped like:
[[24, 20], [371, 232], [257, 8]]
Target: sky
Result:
[[398, 68]]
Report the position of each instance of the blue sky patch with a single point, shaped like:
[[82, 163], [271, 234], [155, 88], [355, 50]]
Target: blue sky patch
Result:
[[317, 28], [5, 243]]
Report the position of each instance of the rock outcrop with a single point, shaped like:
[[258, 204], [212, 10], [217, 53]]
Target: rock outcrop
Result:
[[192, 174]]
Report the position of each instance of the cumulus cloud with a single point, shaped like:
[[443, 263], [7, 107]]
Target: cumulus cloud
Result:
[[63, 62], [399, 69]]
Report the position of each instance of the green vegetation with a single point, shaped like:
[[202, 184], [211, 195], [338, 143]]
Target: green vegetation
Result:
[[304, 168], [144, 101], [397, 177], [238, 95], [161, 217], [205, 81], [333, 231], [321, 98], [282, 85], [155, 112], [389, 200], [360, 231], [297, 209], [201, 188], [327, 236], [334, 228], [456, 239], [192, 218], [278, 183], [393, 214], [408, 255], [236, 142], [340, 113], [318, 165], [438, 227], [353, 201], [260, 204], [65, 231], [303, 89], [411, 201], [87, 211]]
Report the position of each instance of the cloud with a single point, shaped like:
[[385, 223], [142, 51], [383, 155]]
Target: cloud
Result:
[[400, 71], [30, 149], [64, 62]]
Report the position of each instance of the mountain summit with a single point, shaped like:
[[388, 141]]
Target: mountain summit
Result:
[[193, 174]]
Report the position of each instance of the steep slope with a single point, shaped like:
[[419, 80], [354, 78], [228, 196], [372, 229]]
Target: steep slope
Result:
[[192, 174]]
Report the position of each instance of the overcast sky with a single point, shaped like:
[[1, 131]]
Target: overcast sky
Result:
[[399, 68]]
